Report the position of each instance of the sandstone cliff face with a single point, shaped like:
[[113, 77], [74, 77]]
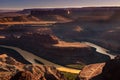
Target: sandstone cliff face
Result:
[[22, 75], [109, 70], [42, 38], [21, 18], [10, 69], [91, 71], [39, 12], [41, 45], [73, 55]]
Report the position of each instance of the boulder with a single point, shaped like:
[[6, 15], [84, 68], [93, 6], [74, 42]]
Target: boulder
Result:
[[10, 69]]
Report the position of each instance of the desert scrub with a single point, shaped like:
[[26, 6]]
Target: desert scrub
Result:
[[70, 76], [76, 66]]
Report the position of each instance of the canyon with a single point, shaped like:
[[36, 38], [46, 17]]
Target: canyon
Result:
[[70, 39]]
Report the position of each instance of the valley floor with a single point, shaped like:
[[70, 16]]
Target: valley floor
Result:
[[31, 58], [31, 22]]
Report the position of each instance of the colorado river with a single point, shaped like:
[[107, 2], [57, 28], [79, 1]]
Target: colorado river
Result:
[[100, 49], [30, 57]]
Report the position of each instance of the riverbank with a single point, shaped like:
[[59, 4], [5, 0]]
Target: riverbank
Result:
[[30, 57]]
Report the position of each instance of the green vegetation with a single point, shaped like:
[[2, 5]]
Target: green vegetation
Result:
[[69, 76], [76, 66]]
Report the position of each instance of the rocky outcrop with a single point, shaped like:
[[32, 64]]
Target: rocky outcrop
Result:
[[102, 71], [60, 15], [10, 69], [43, 38], [87, 14], [73, 55], [91, 71], [111, 70], [41, 45], [22, 75], [41, 12], [21, 18]]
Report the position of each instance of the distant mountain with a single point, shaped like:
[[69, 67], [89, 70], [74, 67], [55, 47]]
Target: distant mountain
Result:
[[4, 11]]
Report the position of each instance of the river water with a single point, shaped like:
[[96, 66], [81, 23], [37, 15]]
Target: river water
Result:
[[100, 49], [31, 57]]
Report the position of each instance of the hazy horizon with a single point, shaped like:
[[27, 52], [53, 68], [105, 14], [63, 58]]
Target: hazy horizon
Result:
[[25, 4]]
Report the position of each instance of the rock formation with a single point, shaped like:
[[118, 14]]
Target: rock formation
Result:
[[41, 12], [42, 43], [43, 38], [111, 70], [90, 71], [10, 69], [102, 71], [22, 75], [21, 18]]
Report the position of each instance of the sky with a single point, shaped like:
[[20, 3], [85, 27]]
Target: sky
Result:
[[25, 4]]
